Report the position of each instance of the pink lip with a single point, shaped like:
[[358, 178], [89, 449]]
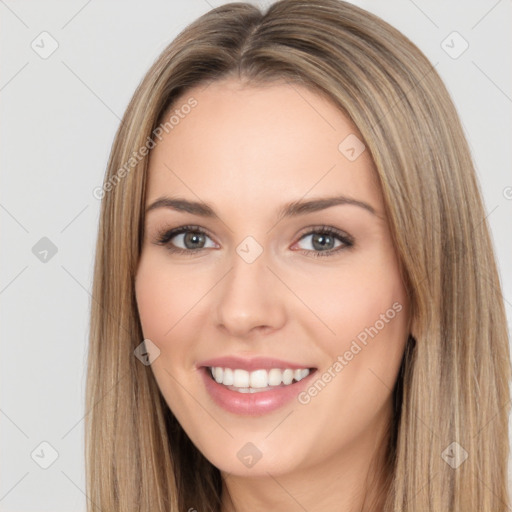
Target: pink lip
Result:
[[254, 363], [251, 404]]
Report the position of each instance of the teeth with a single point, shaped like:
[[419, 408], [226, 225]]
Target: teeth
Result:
[[287, 377], [240, 379], [228, 378], [251, 382], [275, 377], [218, 374], [258, 379]]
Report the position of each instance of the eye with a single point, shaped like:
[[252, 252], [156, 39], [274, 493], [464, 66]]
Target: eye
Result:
[[326, 241], [191, 238]]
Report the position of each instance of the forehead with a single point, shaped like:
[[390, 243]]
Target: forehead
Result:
[[244, 145]]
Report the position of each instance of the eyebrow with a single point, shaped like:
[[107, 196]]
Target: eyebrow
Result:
[[293, 209]]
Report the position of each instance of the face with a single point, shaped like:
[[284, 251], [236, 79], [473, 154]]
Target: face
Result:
[[299, 310]]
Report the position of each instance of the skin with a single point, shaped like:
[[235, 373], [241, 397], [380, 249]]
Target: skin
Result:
[[248, 150]]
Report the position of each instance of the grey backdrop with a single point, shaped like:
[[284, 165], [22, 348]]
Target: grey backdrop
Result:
[[67, 73]]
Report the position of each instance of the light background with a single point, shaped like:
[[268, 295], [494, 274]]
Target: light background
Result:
[[59, 116]]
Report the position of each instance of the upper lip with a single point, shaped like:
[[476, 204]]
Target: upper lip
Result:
[[251, 364]]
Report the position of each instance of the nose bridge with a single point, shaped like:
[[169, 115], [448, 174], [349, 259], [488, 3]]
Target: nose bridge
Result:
[[247, 297]]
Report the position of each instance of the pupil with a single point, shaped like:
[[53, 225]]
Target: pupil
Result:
[[320, 241], [193, 238]]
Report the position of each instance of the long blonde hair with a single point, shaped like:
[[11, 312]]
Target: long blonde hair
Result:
[[453, 387]]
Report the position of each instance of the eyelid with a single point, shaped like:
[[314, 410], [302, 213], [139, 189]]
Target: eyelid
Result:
[[164, 235], [347, 241], [323, 228]]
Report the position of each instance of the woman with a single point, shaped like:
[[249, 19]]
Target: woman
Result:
[[292, 224]]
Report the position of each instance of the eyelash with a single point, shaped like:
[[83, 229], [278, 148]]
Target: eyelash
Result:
[[165, 236]]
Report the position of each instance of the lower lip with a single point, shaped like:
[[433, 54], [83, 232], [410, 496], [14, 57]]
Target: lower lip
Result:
[[252, 404]]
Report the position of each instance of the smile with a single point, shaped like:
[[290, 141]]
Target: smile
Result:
[[253, 386], [261, 380]]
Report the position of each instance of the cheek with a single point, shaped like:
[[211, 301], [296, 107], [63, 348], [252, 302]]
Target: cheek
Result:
[[152, 303], [364, 313], [165, 302], [163, 297], [367, 309], [352, 298]]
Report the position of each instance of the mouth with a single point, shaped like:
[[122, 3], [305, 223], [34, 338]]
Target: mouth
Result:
[[254, 387], [257, 381]]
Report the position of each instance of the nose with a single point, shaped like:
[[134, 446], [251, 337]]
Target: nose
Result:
[[250, 299]]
